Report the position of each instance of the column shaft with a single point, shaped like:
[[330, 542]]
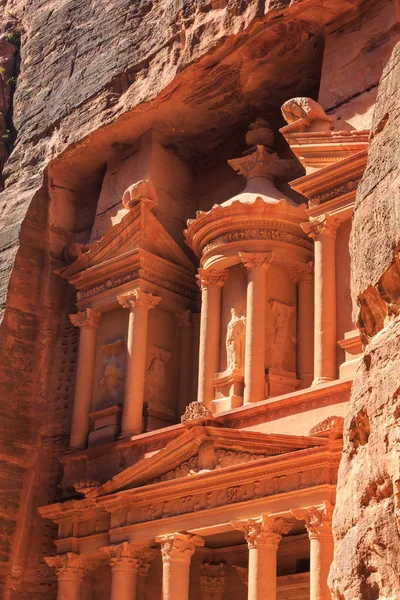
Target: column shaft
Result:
[[175, 583], [124, 582], [305, 331], [88, 322], [139, 303], [325, 308], [262, 573], [321, 557], [210, 332], [69, 587]]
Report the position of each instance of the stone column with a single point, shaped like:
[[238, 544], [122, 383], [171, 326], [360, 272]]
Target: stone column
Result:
[[185, 360], [125, 560], [212, 581], [138, 303], [211, 283], [70, 575], [263, 536], [88, 321], [196, 348], [256, 265], [305, 326], [323, 231], [319, 526], [177, 550]]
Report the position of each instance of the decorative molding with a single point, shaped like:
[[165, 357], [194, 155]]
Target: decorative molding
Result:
[[86, 318], [319, 226], [263, 531], [137, 299], [252, 260], [196, 411], [318, 519], [328, 426], [179, 547], [211, 277]]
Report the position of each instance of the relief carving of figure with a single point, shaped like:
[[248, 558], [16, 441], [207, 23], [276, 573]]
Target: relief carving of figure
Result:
[[156, 380], [111, 384], [283, 340], [235, 341]]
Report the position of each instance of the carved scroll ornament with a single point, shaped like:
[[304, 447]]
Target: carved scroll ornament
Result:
[[263, 531], [138, 298], [86, 318], [179, 547], [318, 519]]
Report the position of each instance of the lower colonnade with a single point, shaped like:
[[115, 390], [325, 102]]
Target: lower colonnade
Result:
[[129, 561]]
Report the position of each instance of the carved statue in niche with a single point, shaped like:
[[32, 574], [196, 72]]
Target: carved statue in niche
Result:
[[156, 381], [283, 342], [111, 385], [235, 340]]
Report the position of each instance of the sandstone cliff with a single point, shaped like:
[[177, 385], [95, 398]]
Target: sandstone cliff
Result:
[[366, 518]]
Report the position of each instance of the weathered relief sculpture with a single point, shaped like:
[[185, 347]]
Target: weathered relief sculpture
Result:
[[300, 113], [283, 341], [111, 385], [155, 374], [235, 341]]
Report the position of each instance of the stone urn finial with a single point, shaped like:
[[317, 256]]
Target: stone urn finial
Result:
[[260, 133]]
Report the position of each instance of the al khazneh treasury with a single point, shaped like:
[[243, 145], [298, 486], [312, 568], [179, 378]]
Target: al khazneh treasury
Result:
[[194, 345]]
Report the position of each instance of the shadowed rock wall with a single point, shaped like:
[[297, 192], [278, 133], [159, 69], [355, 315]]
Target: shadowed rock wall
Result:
[[366, 518]]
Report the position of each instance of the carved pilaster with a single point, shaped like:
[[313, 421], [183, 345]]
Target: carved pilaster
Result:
[[179, 547], [67, 566], [320, 226], [213, 277], [318, 519], [252, 260], [212, 579], [263, 531], [138, 298], [86, 318], [184, 319]]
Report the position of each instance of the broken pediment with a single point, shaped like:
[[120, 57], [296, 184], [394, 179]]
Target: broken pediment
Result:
[[136, 247], [204, 449]]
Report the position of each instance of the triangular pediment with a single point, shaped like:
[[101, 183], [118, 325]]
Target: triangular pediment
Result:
[[204, 449], [138, 230]]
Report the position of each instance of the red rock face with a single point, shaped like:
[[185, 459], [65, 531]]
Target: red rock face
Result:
[[366, 524]]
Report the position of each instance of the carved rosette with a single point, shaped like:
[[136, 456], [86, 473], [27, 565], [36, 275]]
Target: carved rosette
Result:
[[251, 260], [179, 547], [318, 519], [127, 554], [263, 531], [68, 566], [212, 277], [138, 299], [184, 319], [324, 225], [243, 573], [85, 318], [212, 577]]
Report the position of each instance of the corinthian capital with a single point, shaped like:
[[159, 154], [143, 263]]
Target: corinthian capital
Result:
[[263, 531], [256, 259], [318, 519], [125, 554], [69, 564], [212, 277], [85, 318], [179, 547], [138, 298], [318, 226]]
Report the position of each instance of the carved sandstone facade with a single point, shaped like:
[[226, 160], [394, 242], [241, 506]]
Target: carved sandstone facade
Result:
[[207, 351]]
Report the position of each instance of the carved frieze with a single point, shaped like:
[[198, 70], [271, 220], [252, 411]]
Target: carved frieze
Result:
[[263, 233]]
